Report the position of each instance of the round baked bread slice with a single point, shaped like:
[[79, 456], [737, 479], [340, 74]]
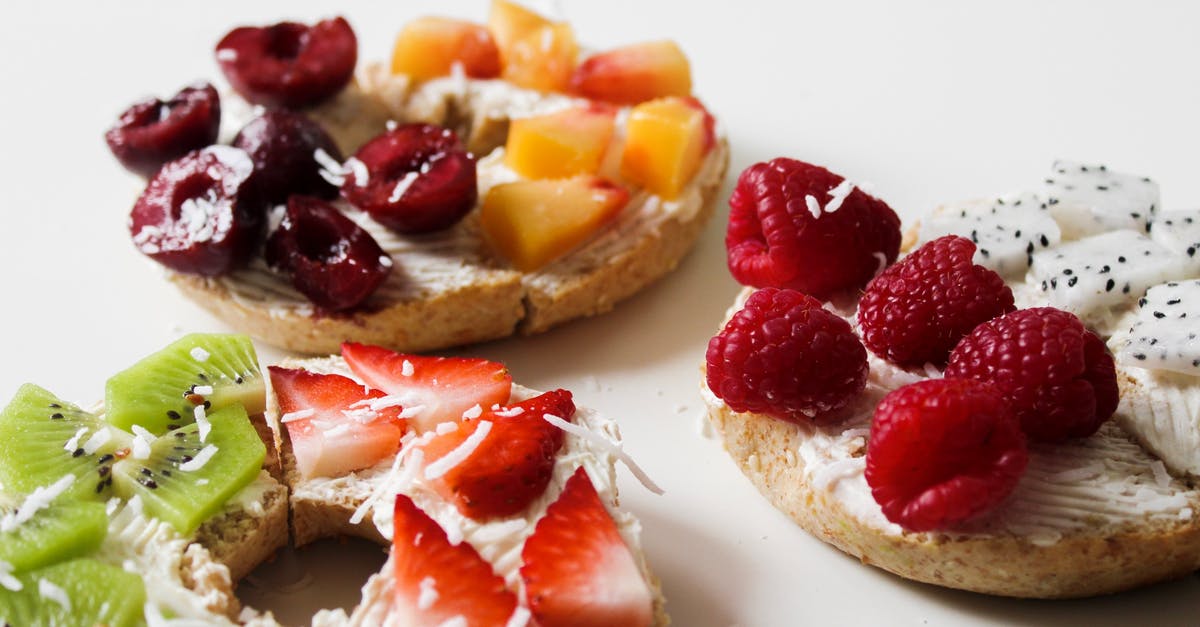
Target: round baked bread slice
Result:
[[1092, 516], [449, 288], [361, 503]]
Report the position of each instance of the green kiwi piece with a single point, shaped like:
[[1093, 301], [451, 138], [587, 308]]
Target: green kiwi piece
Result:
[[43, 438], [96, 593], [64, 529], [159, 392], [174, 489]]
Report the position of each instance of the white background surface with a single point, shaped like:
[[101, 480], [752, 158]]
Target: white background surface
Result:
[[929, 101]]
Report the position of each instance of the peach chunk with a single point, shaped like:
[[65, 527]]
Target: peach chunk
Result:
[[560, 144], [665, 144], [510, 21], [634, 73], [429, 46], [532, 223], [542, 58]]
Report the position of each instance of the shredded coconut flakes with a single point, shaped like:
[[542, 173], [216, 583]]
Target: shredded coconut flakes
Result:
[[606, 444], [460, 452], [200, 459]]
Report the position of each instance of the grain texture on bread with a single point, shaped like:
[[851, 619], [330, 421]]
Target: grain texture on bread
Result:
[[1095, 557], [247, 535]]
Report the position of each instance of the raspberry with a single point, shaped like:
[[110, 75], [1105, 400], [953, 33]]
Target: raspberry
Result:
[[917, 310], [774, 240], [1058, 376], [943, 451], [785, 356]]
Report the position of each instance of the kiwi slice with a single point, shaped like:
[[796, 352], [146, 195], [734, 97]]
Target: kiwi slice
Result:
[[43, 439], [186, 479], [82, 592], [64, 529], [161, 391]]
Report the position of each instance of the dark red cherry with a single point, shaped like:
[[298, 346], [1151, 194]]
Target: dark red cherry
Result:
[[198, 215], [289, 64], [282, 144], [330, 259], [152, 132], [419, 179]]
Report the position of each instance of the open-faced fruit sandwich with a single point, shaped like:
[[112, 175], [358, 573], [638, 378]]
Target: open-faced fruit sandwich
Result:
[[499, 503], [150, 506], [497, 179], [946, 416]]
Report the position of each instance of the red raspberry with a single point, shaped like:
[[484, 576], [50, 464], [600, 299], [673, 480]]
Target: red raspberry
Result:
[[917, 310], [784, 355], [943, 451], [774, 240], [1058, 376]]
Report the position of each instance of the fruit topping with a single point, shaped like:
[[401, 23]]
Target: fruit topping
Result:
[[329, 258], [497, 464], [282, 144], [1007, 230], [509, 21], [942, 451], [197, 215], [634, 73], [418, 179], [1058, 377], [439, 583], [1179, 232], [1164, 333], [531, 223], [432, 390], [915, 311], [64, 593], [1110, 270], [334, 424], [666, 141], [800, 226], [289, 64], [1091, 199], [187, 475], [560, 144], [44, 439], [162, 391], [542, 58], [429, 47], [578, 571], [152, 132], [37, 530], [784, 356]]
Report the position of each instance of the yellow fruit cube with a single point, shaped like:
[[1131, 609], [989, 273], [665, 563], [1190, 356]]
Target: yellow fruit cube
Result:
[[531, 223], [543, 58], [665, 144], [560, 144], [428, 47], [510, 21]]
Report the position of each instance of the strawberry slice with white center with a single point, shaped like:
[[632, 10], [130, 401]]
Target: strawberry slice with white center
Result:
[[577, 569], [433, 390], [437, 581], [497, 464], [332, 424]]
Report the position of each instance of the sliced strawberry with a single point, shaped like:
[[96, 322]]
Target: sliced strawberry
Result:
[[509, 467], [433, 389], [578, 571], [332, 427], [437, 581]]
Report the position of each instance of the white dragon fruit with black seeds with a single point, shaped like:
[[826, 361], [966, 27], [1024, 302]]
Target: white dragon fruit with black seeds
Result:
[[1179, 232], [1166, 332], [1091, 199], [1006, 230], [1103, 271]]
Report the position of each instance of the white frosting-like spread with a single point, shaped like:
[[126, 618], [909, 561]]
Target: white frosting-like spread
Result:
[[458, 257], [499, 541]]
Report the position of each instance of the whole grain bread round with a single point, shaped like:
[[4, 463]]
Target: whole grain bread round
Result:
[[1097, 558]]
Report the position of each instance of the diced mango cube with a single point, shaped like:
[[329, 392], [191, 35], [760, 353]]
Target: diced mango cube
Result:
[[560, 144], [542, 58], [634, 73], [665, 143], [532, 223], [428, 47], [509, 21]]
